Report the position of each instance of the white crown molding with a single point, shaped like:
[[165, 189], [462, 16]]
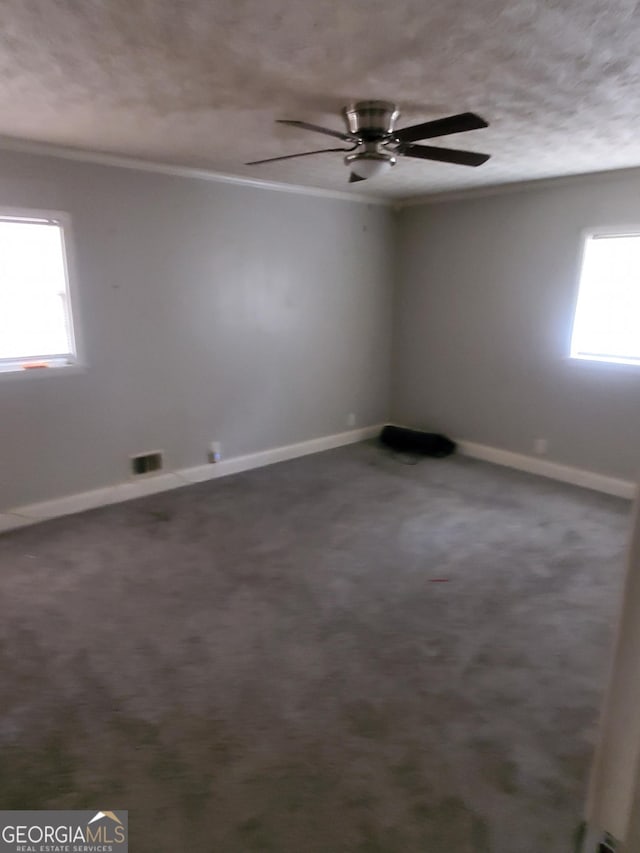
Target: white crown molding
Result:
[[152, 484], [23, 146], [516, 187], [121, 161]]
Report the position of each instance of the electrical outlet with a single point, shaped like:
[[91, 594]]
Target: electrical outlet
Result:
[[541, 446], [351, 419], [215, 451]]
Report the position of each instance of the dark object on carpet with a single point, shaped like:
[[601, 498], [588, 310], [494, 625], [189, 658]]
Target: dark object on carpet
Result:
[[414, 441]]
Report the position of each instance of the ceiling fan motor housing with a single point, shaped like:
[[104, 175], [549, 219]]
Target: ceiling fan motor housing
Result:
[[371, 121]]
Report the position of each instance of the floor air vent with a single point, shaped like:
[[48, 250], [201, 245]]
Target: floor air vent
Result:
[[146, 463]]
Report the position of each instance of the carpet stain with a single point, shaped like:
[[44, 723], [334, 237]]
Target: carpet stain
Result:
[[409, 775], [367, 721], [294, 785], [480, 835], [452, 825], [497, 769], [256, 836], [363, 802], [381, 841], [422, 811], [33, 777], [160, 515]]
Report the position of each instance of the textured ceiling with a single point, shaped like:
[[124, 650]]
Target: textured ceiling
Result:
[[199, 82]]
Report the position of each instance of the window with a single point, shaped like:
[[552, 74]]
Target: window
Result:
[[607, 320], [36, 325]]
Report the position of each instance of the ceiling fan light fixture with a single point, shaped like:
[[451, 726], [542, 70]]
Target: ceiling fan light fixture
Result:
[[370, 165]]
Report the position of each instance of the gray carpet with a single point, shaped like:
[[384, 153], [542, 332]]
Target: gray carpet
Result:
[[338, 653]]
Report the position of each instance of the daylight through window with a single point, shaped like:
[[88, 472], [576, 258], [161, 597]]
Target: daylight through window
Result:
[[36, 328], [607, 320]]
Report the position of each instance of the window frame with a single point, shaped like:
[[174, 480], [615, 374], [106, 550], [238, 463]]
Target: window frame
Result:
[[593, 361], [14, 369]]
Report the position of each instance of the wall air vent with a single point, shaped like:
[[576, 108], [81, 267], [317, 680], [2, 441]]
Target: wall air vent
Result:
[[146, 463]]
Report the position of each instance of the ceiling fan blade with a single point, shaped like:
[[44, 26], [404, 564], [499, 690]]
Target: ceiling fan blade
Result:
[[444, 155], [291, 156], [326, 130], [440, 127], [353, 178]]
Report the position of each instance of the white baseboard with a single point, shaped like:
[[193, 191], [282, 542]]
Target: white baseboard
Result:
[[545, 468], [33, 513]]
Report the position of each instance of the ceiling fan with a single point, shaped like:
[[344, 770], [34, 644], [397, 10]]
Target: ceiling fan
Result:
[[376, 143]]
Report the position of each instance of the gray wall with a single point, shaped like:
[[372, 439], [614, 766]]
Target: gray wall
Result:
[[483, 322], [209, 311], [261, 318]]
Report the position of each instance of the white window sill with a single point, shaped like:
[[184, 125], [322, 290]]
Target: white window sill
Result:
[[598, 363], [21, 374]]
